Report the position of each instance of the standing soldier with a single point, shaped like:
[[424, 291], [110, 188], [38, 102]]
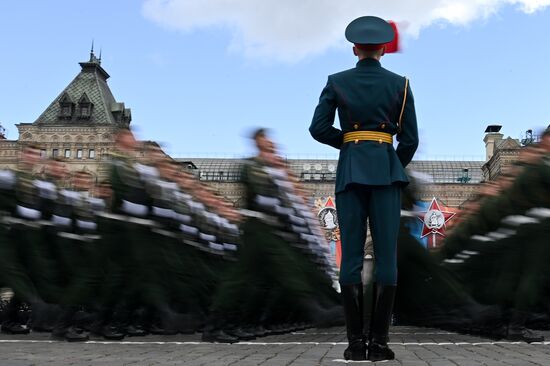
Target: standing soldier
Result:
[[373, 105]]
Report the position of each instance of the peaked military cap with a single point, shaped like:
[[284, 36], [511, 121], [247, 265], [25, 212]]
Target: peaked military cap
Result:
[[369, 30]]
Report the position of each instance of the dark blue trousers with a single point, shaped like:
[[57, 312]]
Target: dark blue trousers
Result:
[[382, 206]]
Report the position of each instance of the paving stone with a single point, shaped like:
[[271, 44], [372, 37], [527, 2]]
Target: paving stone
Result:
[[413, 347]]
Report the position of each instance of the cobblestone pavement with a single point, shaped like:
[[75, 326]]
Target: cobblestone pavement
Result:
[[413, 346]]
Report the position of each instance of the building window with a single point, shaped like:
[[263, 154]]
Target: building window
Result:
[[67, 107], [67, 153], [55, 153], [42, 153], [85, 107], [91, 154], [79, 154]]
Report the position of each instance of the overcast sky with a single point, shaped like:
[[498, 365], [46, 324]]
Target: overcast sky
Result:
[[198, 74]]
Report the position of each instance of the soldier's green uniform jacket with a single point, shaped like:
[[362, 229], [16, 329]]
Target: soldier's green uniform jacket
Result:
[[258, 182], [127, 187], [368, 98]]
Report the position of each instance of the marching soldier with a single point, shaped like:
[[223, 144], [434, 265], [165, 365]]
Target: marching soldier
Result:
[[271, 284], [21, 228], [125, 230], [509, 227], [374, 104], [73, 223]]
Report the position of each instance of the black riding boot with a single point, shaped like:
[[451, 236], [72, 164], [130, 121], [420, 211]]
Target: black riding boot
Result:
[[378, 349], [353, 307], [369, 297]]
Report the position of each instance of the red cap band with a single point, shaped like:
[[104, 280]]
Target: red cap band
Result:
[[370, 47]]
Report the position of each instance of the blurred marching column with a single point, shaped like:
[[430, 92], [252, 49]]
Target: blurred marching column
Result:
[[71, 256], [19, 246], [200, 262], [78, 256], [272, 285], [162, 257], [124, 231], [497, 250], [428, 294]]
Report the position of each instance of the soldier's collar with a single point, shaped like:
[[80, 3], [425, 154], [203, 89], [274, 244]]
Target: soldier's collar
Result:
[[369, 62]]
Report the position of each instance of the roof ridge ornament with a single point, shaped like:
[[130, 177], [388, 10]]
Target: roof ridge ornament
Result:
[[93, 57]]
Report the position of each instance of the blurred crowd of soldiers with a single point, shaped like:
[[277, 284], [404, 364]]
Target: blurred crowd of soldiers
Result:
[[153, 250], [491, 276]]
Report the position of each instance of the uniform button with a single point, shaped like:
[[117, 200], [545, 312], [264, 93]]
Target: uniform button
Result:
[[379, 141], [356, 126], [356, 141], [383, 125]]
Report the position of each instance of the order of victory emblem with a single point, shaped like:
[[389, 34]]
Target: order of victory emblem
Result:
[[328, 218], [434, 219], [327, 215]]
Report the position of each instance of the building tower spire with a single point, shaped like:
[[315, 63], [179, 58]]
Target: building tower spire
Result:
[[93, 58]]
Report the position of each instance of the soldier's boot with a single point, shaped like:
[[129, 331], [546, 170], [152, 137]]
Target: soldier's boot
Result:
[[64, 328], [135, 330], [352, 296], [369, 297], [239, 333], [11, 323], [135, 327], [110, 332], [518, 332], [14, 328], [168, 322], [127, 324], [104, 327], [43, 316], [378, 349], [256, 330], [214, 330], [475, 318], [235, 327], [139, 323], [188, 323]]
